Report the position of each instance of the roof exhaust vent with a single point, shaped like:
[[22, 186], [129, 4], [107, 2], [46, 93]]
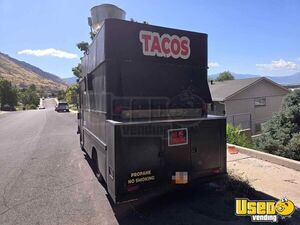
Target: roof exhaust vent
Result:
[[104, 11]]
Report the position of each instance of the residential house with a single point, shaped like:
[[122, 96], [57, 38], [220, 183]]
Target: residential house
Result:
[[247, 102]]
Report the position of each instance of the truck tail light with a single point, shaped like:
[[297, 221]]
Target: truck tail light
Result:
[[216, 170], [133, 188]]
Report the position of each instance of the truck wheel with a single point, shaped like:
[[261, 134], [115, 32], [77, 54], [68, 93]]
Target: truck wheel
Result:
[[96, 166]]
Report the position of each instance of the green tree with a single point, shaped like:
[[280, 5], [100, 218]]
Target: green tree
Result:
[[42, 93], [61, 95], [83, 46], [8, 93], [281, 134], [77, 71], [294, 147], [234, 136], [30, 97], [72, 94], [226, 75], [32, 88]]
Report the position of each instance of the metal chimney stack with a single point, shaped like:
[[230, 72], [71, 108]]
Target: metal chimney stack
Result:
[[104, 11]]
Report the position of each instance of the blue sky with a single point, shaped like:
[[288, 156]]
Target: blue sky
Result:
[[251, 37]]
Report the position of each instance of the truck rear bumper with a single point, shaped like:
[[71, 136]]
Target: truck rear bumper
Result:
[[146, 155], [165, 188]]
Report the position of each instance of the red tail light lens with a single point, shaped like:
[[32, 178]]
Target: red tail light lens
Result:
[[216, 170], [133, 188]]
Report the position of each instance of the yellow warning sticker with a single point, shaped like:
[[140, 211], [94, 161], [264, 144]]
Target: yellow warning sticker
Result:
[[140, 177]]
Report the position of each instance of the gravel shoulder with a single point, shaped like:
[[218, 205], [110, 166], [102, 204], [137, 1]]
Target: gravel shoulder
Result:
[[272, 179]]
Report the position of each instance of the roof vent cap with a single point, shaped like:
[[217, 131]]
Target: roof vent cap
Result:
[[104, 11]]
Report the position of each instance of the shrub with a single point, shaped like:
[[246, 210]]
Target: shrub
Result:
[[268, 144], [234, 136], [61, 95], [29, 96], [31, 106], [72, 96], [293, 148], [281, 135]]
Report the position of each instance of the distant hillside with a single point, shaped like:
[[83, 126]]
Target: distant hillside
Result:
[[70, 80], [23, 74], [290, 79]]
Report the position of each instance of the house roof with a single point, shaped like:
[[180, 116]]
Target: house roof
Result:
[[223, 90]]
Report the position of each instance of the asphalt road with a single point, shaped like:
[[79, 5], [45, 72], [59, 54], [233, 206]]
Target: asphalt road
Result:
[[46, 179]]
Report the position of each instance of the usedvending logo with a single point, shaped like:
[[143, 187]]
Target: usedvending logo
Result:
[[165, 45], [264, 211]]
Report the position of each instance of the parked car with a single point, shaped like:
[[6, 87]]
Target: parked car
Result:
[[7, 107], [62, 107]]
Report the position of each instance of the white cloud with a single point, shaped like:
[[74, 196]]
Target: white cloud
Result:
[[49, 52], [280, 64], [213, 64]]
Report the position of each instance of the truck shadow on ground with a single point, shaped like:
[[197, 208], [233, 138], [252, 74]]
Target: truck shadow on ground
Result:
[[210, 203], [199, 203]]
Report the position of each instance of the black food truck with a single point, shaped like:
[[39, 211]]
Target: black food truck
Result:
[[143, 107]]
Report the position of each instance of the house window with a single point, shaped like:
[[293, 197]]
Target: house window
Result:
[[260, 101]]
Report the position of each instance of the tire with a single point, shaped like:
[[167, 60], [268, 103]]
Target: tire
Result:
[[96, 166]]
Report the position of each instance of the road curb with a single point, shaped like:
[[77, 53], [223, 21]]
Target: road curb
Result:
[[293, 164]]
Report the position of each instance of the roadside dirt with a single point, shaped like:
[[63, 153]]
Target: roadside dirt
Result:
[[266, 177]]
